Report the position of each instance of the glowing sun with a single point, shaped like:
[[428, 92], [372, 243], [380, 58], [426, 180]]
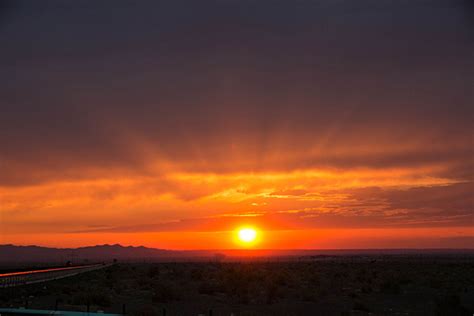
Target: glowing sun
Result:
[[247, 235]]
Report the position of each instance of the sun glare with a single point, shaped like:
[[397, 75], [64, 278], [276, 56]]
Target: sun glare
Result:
[[247, 235]]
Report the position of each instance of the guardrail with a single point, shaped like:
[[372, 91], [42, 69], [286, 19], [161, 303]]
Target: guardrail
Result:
[[36, 276], [33, 312]]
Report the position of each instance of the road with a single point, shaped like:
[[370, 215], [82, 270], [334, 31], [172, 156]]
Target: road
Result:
[[43, 275]]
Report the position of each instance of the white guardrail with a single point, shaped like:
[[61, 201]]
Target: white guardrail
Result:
[[36, 276]]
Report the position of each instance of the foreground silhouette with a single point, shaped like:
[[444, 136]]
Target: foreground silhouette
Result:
[[339, 285]]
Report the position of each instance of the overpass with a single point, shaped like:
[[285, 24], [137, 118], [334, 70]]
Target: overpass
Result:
[[36, 276]]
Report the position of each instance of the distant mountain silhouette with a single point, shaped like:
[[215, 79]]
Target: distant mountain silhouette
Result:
[[21, 254], [27, 255]]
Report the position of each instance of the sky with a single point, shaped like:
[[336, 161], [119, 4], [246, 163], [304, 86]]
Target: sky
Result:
[[323, 124]]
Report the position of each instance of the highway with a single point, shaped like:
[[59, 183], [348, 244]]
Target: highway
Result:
[[43, 275]]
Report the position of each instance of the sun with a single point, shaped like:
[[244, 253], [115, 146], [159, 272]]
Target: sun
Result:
[[247, 235]]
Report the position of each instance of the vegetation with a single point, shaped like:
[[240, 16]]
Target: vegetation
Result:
[[334, 286]]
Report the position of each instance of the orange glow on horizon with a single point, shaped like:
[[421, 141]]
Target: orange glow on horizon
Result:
[[426, 237]]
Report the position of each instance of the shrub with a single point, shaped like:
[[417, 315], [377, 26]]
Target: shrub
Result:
[[450, 305], [93, 297], [390, 287], [165, 292], [359, 306]]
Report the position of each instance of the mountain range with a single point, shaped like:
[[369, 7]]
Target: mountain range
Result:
[[23, 255]]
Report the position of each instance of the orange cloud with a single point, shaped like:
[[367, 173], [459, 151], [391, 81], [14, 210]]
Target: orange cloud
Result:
[[182, 202]]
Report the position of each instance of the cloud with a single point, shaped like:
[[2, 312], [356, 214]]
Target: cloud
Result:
[[316, 114], [285, 88]]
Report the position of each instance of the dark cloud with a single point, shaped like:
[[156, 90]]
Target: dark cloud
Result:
[[7, 8], [441, 205], [117, 85]]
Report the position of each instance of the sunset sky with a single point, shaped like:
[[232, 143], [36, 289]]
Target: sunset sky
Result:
[[323, 124]]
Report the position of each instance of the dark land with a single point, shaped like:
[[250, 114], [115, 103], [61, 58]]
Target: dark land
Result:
[[392, 283]]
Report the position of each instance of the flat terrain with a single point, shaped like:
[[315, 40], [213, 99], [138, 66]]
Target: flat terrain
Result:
[[384, 285]]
